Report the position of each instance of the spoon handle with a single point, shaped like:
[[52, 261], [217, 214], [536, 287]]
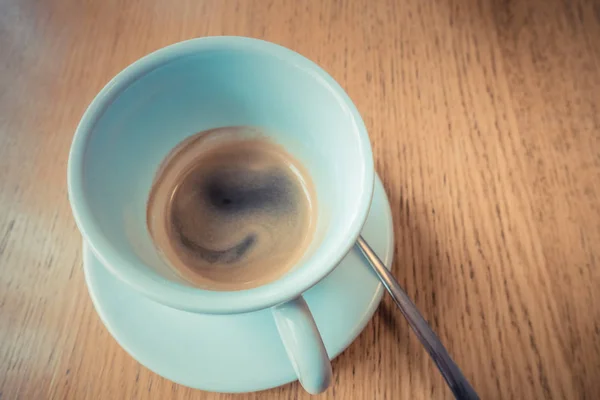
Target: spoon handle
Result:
[[457, 382]]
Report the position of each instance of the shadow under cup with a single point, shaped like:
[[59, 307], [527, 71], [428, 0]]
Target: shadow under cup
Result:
[[160, 100]]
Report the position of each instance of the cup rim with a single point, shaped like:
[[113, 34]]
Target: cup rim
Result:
[[177, 295]]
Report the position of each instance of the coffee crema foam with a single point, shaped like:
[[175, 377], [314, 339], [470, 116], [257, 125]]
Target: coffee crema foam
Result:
[[231, 210]]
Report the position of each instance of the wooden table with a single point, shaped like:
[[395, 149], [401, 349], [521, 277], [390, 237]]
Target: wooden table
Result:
[[485, 123]]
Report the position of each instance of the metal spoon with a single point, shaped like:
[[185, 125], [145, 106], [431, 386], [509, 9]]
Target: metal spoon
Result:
[[457, 382]]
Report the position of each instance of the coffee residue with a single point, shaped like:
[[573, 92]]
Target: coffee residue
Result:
[[231, 210]]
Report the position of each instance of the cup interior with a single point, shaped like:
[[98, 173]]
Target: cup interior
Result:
[[162, 99]]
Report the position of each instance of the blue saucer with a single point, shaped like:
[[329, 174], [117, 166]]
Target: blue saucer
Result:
[[241, 353]]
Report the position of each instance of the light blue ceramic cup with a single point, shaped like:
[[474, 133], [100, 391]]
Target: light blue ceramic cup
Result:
[[192, 86]]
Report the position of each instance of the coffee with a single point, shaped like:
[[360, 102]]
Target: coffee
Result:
[[231, 210]]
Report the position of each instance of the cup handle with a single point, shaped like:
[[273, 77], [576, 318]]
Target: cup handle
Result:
[[303, 344]]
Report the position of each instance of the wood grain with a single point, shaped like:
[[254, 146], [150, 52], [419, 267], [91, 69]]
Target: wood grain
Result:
[[485, 125]]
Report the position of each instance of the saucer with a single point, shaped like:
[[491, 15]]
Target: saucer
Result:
[[241, 353]]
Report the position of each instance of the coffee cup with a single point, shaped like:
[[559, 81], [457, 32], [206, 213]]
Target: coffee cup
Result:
[[162, 99]]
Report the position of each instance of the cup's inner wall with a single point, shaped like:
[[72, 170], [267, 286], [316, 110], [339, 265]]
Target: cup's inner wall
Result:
[[293, 105]]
